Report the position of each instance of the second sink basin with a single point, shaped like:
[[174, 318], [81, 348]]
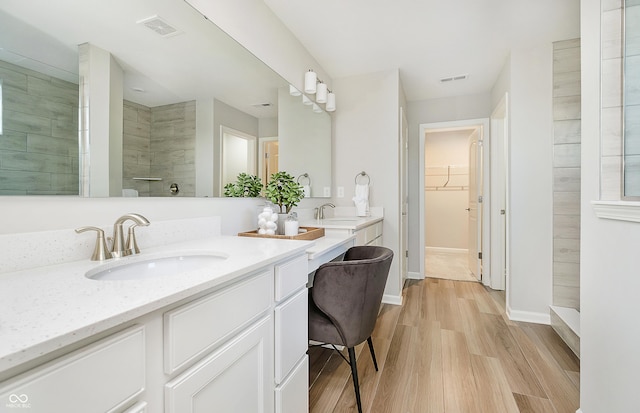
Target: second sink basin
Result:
[[155, 267]]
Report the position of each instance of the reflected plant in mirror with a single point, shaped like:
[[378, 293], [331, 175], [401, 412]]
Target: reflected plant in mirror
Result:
[[246, 186]]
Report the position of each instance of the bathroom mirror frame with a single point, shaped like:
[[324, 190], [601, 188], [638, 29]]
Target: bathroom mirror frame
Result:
[[252, 102], [630, 189]]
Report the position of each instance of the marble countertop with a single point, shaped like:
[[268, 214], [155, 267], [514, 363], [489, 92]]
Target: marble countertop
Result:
[[44, 309], [342, 222]]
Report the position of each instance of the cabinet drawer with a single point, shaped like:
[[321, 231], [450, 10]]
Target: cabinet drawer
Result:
[[197, 327], [236, 378], [372, 232], [292, 396], [114, 366], [291, 276], [291, 333]]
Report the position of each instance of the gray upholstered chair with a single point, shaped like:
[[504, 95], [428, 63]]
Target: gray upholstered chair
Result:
[[345, 299]]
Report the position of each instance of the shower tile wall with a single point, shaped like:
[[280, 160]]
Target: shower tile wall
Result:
[[566, 174], [136, 147], [159, 142], [39, 144], [611, 110], [173, 142]]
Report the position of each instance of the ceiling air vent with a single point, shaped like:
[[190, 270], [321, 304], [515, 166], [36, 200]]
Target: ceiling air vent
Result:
[[160, 26], [453, 78]]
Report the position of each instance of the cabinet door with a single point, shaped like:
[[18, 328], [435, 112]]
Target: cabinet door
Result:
[[291, 333], [236, 378], [292, 396]]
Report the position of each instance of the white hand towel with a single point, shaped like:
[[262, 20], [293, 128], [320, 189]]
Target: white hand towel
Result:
[[361, 200], [307, 190]]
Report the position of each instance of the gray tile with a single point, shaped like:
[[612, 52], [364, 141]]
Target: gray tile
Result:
[[611, 127], [566, 250], [566, 226], [566, 155], [611, 83], [566, 108], [566, 203], [566, 274], [610, 178], [566, 179], [566, 131]]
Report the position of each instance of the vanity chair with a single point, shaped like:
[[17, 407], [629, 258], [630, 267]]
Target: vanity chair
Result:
[[345, 299]]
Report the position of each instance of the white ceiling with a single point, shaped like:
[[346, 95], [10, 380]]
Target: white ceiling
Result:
[[425, 39]]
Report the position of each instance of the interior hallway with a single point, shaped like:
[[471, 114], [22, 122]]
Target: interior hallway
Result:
[[450, 348]]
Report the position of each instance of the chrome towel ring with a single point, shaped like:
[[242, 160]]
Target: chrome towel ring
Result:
[[363, 175]]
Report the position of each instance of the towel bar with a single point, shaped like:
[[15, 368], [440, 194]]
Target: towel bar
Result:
[[363, 174]]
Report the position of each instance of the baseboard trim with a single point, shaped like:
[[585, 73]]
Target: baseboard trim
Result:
[[392, 299], [444, 249], [528, 316], [411, 275]]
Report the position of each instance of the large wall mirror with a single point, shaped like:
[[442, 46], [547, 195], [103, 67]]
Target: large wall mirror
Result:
[[177, 88], [631, 99]]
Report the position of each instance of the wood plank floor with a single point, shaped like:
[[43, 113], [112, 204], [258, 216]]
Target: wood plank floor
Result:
[[450, 349]]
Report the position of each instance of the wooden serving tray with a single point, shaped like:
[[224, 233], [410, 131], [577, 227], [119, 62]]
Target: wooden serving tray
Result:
[[312, 233]]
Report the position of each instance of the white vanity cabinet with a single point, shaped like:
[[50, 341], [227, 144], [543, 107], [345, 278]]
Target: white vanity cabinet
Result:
[[291, 336], [105, 376], [365, 235], [236, 347]]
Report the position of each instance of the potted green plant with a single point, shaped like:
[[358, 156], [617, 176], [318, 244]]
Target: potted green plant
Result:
[[246, 186], [283, 190]]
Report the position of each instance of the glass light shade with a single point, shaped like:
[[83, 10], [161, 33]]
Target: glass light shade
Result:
[[331, 102], [293, 91], [317, 109], [321, 93], [310, 80], [306, 100]]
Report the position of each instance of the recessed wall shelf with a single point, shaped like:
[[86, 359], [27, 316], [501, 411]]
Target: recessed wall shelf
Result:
[[147, 179]]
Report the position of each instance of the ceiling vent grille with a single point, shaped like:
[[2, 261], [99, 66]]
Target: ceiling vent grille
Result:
[[454, 78], [159, 25]]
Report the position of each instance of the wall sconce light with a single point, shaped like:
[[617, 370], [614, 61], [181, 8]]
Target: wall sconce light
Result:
[[313, 85], [293, 91], [321, 92], [310, 80], [331, 102], [316, 108]]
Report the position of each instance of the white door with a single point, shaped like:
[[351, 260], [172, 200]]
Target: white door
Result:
[[475, 206], [238, 151]]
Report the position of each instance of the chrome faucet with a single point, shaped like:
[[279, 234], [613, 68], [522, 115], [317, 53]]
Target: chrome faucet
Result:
[[118, 246], [320, 210]]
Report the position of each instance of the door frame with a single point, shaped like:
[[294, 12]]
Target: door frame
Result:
[[486, 217], [500, 194]]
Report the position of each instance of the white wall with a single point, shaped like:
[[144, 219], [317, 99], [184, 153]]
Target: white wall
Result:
[[366, 126], [531, 204], [609, 282]]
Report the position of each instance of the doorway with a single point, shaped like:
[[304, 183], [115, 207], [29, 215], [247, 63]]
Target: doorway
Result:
[[238, 154], [454, 186]]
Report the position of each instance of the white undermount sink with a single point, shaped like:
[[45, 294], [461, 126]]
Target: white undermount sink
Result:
[[155, 267]]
